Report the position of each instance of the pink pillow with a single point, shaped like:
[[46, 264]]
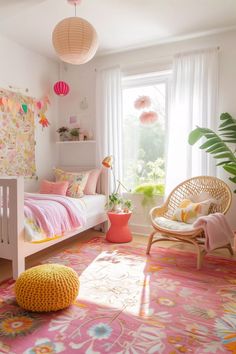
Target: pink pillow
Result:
[[92, 181], [48, 187]]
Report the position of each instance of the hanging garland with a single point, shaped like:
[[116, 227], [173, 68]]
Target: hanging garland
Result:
[[41, 108], [18, 104], [146, 117]]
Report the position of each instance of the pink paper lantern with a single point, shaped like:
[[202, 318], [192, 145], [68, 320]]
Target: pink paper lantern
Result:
[[142, 102], [148, 118], [74, 2], [61, 88]]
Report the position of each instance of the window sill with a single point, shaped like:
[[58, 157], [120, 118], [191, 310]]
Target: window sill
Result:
[[127, 194]]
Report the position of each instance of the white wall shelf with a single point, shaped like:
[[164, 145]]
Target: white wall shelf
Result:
[[76, 142]]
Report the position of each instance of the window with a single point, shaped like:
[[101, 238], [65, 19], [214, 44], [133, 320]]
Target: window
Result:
[[144, 124]]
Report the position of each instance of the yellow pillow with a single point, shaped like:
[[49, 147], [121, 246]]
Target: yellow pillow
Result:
[[77, 181], [188, 211]]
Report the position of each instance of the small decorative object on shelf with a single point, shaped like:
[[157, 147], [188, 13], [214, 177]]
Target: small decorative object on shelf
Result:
[[81, 136], [74, 133], [63, 133]]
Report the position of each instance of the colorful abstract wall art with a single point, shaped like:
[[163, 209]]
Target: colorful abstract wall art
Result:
[[17, 127]]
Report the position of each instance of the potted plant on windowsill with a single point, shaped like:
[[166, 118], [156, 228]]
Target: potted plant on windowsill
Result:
[[74, 134], [149, 191]]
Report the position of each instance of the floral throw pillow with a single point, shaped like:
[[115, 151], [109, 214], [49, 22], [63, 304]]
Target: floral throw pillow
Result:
[[189, 211], [77, 181]]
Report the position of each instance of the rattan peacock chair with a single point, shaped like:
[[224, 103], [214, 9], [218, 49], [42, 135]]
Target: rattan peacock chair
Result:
[[160, 216]]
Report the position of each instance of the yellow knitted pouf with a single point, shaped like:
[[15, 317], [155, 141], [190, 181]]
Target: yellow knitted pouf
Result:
[[47, 287]]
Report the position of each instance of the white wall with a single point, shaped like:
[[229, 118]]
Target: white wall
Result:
[[22, 68], [82, 81]]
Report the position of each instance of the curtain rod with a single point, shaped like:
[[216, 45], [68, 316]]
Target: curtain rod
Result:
[[197, 51], [168, 58], [128, 65]]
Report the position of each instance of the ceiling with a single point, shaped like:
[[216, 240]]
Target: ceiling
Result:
[[120, 24]]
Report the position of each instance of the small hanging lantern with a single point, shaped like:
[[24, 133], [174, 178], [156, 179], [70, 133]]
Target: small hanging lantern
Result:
[[148, 118], [61, 88], [142, 102]]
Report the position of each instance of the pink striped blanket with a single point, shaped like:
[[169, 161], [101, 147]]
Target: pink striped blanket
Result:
[[48, 216]]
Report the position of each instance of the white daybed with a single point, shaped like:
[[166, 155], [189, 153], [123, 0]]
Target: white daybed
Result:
[[12, 242]]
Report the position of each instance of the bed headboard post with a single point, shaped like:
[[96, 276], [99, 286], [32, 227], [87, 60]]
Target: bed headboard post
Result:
[[17, 233], [12, 222], [20, 204]]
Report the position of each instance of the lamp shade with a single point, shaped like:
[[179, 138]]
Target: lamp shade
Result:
[[61, 88], [107, 162], [75, 40]]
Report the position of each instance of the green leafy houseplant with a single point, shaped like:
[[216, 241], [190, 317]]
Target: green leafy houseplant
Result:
[[114, 202], [149, 191], [117, 204], [62, 130], [74, 133], [219, 145], [150, 182], [63, 133], [127, 206]]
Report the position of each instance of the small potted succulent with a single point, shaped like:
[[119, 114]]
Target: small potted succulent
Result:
[[74, 133], [114, 202], [63, 133], [127, 206]]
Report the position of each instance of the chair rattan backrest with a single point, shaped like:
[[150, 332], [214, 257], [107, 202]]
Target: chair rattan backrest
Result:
[[217, 188]]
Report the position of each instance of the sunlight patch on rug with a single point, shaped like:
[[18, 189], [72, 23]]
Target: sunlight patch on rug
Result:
[[107, 281]]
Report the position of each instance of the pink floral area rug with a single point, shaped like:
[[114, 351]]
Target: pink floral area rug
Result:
[[130, 303]]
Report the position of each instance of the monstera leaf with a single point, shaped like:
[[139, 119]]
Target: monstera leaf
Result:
[[221, 145]]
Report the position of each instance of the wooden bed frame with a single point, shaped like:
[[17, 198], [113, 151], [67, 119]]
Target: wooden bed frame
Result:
[[12, 243]]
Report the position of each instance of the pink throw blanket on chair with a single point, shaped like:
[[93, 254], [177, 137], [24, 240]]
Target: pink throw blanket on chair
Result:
[[217, 230]]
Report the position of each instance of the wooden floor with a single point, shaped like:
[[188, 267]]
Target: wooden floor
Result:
[[5, 266]]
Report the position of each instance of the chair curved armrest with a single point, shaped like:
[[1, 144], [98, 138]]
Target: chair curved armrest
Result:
[[158, 211]]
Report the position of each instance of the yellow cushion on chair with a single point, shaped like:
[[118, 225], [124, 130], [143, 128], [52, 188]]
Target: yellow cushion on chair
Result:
[[189, 211], [47, 287]]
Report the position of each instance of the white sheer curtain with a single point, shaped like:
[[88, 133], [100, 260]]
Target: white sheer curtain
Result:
[[193, 102], [109, 118]]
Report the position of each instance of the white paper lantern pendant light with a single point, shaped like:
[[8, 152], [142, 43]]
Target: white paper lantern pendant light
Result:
[[75, 39]]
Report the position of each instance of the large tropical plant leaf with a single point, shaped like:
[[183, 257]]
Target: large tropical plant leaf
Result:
[[216, 144], [227, 128]]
